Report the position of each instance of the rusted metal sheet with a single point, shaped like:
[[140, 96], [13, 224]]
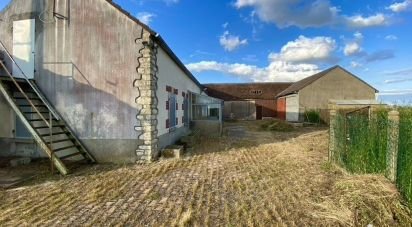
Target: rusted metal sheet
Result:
[[281, 108]]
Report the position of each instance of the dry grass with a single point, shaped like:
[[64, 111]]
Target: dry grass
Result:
[[226, 182]]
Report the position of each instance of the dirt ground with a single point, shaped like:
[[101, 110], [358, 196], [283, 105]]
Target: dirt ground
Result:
[[249, 177]]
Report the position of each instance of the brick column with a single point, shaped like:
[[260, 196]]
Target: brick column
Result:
[[147, 99], [393, 140]]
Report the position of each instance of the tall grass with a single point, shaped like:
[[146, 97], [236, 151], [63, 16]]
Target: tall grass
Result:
[[404, 178], [361, 141], [313, 116]]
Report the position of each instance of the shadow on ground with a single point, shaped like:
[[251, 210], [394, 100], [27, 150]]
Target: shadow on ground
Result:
[[236, 135]]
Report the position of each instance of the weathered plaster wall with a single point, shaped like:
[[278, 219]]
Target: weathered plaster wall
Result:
[[337, 85], [86, 66], [169, 74]]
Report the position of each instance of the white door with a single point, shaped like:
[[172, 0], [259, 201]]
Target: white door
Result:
[[23, 47], [292, 108]]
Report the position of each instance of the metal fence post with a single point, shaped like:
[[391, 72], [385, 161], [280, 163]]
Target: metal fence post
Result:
[[332, 123], [392, 145]]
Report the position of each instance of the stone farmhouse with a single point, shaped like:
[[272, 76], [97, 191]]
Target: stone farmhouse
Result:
[[86, 80]]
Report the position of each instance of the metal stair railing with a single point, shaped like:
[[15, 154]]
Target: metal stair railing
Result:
[[38, 93]]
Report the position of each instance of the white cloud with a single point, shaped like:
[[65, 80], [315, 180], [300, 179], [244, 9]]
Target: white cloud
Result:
[[295, 61], [355, 64], [303, 14], [305, 49], [276, 71], [391, 37], [354, 47], [285, 13], [398, 7], [145, 17], [225, 25], [230, 42], [358, 35], [358, 21], [396, 92], [393, 81]]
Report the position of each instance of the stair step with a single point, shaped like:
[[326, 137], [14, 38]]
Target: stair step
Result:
[[44, 127], [61, 141], [37, 105], [34, 120], [54, 134], [35, 112], [31, 98], [65, 148], [71, 155]]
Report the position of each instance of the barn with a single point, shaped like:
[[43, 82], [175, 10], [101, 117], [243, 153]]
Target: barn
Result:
[[247, 101], [87, 80], [313, 93]]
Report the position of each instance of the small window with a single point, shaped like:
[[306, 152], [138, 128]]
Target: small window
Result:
[[172, 110], [256, 92]]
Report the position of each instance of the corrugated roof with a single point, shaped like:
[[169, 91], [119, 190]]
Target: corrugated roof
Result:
[[294, 88], [156, 36]]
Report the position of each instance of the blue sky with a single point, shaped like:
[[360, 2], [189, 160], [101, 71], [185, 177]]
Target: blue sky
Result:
[[283, 40]]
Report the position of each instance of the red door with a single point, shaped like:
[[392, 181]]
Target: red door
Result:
[[281, 108]]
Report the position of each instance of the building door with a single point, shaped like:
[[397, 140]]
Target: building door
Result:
[[281, 108], [292, 108], [24, 47], [258, 112]]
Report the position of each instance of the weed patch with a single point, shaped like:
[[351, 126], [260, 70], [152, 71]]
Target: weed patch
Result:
[[277, 125]]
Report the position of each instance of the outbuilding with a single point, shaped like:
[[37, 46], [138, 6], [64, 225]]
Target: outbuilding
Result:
[[247, 101], [314, 93]]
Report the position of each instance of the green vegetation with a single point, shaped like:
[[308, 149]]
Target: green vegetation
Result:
[[277, 125], [361, 145], [404, 178], [313, 116], [361, 141]]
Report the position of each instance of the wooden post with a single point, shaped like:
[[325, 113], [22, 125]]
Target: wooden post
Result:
[[332, 124], [392, 146]]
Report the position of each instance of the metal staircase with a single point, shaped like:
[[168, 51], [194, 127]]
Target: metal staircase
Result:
[[46, 126]]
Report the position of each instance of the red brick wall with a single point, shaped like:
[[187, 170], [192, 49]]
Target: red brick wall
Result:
[[268, 107]]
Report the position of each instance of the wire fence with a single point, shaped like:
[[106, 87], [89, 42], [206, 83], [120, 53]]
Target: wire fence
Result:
[[404, 170], [361, 141], [361, 144]]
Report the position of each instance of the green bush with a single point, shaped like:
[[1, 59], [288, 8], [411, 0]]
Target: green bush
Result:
[[312, 116], [404, 178]]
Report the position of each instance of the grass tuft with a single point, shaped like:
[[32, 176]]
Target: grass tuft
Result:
[[277, 125]]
